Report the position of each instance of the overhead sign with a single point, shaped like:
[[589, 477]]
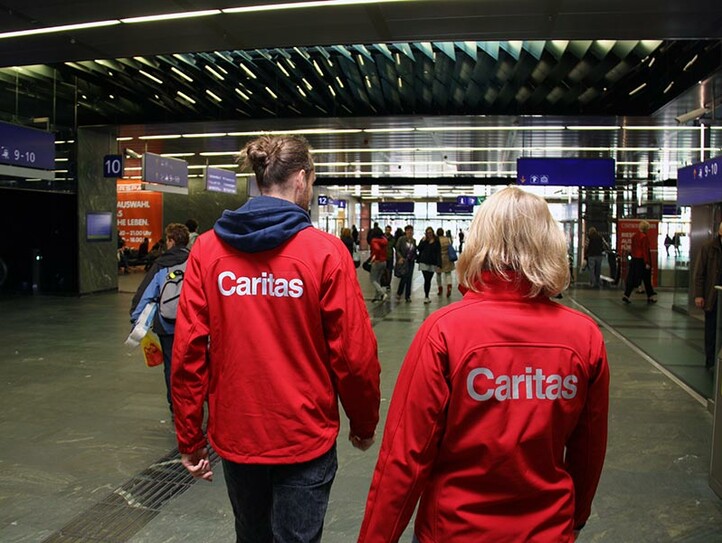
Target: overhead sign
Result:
[[218, 180], [451, 207], [21, 146], [700, 184], [396, 207], [566, 172], [164, 170], [470, 200], [113, 166]]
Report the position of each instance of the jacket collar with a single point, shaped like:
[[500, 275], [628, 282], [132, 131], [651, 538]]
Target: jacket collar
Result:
[[496, 287]]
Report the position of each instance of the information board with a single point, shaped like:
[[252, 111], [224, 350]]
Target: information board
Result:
[[700, 183], [396, 207], [164, 170], [28, 147], [218, 180], [566, 172], [445, 208]]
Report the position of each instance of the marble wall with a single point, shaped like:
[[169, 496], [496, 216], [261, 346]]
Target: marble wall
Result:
[[205, 207], [97, 260]]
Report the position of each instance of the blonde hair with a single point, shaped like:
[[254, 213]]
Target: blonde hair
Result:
[[643, 226], [514, 231]]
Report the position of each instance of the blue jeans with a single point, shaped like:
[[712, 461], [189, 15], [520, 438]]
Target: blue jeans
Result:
[[595, 269], [280, 502]]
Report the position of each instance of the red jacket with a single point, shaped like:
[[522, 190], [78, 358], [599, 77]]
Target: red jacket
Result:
[[498, 421], [379, 248], [271, 338], [640, 247]]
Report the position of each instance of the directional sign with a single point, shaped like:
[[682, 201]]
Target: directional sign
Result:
[[219, 180], [700, 184], [164, 170], [21, 146], [566, 172]]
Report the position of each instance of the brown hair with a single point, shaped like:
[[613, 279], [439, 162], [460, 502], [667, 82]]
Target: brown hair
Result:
[[178, 233], [275, 158]]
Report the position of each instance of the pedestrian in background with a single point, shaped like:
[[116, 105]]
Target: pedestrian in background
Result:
[[640, 265], [443, 272], [707, 274], [378, 244], [429, 259], [272, 331], [594, 254], [498, 420], [405, 258]]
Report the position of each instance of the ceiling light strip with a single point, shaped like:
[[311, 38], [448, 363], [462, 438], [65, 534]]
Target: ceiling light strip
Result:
[[61, 28], [171, 16], [306, 5]]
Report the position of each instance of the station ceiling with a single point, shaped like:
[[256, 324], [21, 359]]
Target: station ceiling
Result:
[[415, 88]]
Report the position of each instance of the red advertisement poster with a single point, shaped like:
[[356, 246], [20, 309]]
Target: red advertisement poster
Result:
[[626, 228], [139, 215]]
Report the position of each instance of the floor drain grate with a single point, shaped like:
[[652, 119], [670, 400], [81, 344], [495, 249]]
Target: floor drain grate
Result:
[[126, 510]]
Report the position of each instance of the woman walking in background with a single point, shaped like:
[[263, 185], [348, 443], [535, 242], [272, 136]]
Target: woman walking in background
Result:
[[443, 272], [429, 260]]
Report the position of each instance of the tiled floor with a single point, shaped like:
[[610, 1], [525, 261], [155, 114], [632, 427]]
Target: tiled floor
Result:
[[81, 416]]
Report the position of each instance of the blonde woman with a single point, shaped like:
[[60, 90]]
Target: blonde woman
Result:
[[498, 421]]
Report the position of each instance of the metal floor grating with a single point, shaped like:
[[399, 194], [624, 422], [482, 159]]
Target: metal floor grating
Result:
[[126, 510]]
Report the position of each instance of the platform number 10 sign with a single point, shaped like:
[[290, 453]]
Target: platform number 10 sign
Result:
[[113, 166]]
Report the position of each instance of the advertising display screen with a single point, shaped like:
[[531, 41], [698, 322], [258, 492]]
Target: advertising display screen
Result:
[[566, 172], [26, 147], [99, 226], [164, 170], [218, 180], [700, 184]]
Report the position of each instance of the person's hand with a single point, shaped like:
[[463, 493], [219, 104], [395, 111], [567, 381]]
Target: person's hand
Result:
[[361, 444], [699, 302], [197, 464]]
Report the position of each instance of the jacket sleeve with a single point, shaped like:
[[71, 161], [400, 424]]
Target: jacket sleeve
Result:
[[143, 285], [150, 294], [415, 425], [352, 347], [189, 369], [587, 445]]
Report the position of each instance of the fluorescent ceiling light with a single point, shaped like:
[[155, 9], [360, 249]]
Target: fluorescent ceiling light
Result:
[[635, 91], [249, 72], [591, 127], [388, 130], [661, 127], [152, 77], [161, 137], [184, 76], [186, 97], [215, 73], [169, 16], [242, 94], [205, 135], [124, 138], [485, 128], [61, 28], [300, 91], [273, 94], [219, 153], [177, 155], [303, 5], [214, 96]]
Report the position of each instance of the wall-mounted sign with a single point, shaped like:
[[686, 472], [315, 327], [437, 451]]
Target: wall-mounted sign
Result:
[[28, 147], [566, 172], [700, 184], [113, 166], [218, 180], [164, 170]]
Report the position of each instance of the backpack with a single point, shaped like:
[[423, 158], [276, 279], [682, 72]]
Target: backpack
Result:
[[170, 292]]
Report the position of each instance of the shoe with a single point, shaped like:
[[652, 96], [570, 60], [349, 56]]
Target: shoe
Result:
[[427, 300], [398, 297], [441, 289], [448, 291], [626, 300], [651, 300], [384, 297], [408, 300]]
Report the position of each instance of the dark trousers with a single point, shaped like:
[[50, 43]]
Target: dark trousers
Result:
[[405, 283], [428, 276], [637, 274], [166, 342], [280, 502], [710, 336]]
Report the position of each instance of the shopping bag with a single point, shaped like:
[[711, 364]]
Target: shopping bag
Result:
[[142, 325], [152, 349], [367, 264]]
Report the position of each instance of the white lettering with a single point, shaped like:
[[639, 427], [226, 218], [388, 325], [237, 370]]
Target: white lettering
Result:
[[265, 285], [533, 384]]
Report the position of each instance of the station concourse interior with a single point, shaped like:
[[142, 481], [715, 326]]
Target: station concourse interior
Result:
[[416, 112]]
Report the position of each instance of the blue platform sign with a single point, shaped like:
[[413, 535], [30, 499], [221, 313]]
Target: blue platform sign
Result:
[[396, 207], [700, 184], [566, 172], [165, 170], [219, 180], [113, 166], [452, 207], [26, 147], [341, 204]]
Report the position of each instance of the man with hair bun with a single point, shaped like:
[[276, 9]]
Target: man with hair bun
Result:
[[498, 420], [273, 330]]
